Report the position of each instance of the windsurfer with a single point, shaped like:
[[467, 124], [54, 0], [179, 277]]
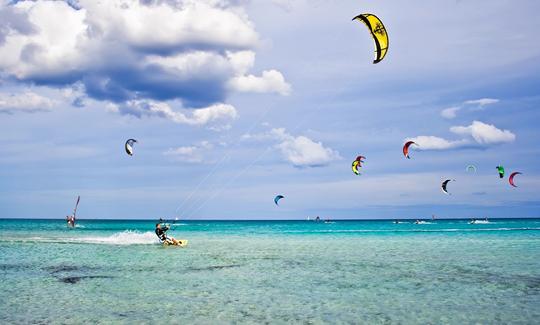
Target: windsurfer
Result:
[[70, 221]]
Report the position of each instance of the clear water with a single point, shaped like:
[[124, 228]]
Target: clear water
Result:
[[371, 272]]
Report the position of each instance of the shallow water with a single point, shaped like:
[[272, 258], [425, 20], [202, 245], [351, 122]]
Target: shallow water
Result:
[[443, 272]]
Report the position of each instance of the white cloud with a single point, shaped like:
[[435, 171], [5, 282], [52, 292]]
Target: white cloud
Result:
[[484, 133], [450, 113], [428, 142], [28, 102], [270, 81], [301, 151], [192, 154], [218, 113], [122, 50], [482, 101]]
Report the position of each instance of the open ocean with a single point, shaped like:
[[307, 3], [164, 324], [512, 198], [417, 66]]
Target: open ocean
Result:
[[368, 272]]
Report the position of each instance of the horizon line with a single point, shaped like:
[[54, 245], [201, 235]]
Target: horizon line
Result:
[[321, 219]]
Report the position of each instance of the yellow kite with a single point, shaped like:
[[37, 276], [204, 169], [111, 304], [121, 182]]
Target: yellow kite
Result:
[[376, 27]]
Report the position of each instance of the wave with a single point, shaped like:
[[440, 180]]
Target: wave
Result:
[[127, 237]]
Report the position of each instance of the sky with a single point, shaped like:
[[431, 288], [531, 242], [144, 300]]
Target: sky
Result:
[[234, 102]]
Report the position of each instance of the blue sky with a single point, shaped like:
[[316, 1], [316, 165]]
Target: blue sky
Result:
[[234, 102]]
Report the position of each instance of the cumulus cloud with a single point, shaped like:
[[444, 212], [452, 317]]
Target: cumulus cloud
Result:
[[28, 102], [198, 117], [191, 154], [482, 135], [428, 142], [124, 50], [14, 20], [301, 151], [450, 113], [270, 81], [485, 133]]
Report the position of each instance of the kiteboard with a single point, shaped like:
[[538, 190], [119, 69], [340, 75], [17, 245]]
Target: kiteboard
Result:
[[179, 243]]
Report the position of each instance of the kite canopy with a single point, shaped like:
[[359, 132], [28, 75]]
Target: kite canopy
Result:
[[471, 168], [356, 164], [500, 169], [359, 158], [129, 146], [377, 30], [511, 178], [444, 184], [406, 148], [277, 198]]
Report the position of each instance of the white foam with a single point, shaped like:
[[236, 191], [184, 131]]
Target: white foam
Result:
[[127, 237]]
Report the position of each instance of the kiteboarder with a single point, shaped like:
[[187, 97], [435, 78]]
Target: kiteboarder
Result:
[[161, 232]]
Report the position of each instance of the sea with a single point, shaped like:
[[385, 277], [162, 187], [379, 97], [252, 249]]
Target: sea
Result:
[[271, 272]]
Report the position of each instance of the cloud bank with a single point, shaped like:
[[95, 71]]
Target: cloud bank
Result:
[[195, 52]]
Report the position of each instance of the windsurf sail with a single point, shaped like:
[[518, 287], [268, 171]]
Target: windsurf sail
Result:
[[76, 205]]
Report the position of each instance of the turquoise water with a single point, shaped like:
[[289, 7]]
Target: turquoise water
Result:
[[443, 272]]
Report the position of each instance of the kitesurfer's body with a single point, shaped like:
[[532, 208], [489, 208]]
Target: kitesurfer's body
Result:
[[161, 232]]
